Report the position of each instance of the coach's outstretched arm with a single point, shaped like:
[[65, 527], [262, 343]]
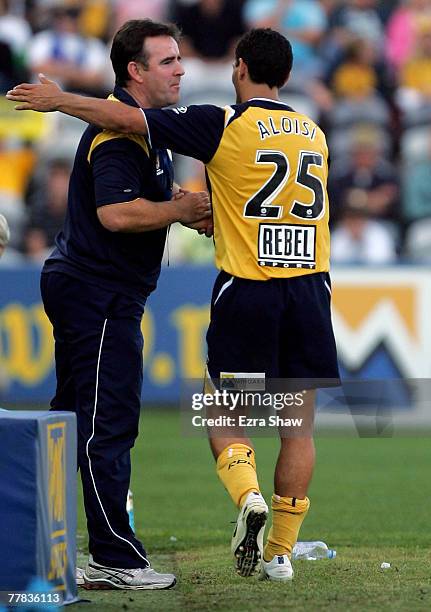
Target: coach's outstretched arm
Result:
[[47, 96]]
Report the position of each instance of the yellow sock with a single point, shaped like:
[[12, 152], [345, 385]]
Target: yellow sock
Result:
[[236, 468], [287, 516]]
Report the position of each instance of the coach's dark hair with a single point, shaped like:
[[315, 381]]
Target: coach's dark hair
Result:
[[268, 55], [128, 44]]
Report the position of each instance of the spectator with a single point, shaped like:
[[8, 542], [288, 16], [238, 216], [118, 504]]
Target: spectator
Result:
[[352, 20], [402, 31], [16, 164], [386, 8], [7, 75], [415, 79], [358, 239], [365, 177], [210, 28], [302, 21], [95, 19], [35, 245], [418, 242], [359, 73], [48, 204], [124, 10], [62, 53], [416, 201], [16, 33]]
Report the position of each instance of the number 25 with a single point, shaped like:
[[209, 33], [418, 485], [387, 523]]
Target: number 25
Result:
[[260, 204]]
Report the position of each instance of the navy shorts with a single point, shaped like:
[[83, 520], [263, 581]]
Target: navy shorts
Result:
[[279, 327]]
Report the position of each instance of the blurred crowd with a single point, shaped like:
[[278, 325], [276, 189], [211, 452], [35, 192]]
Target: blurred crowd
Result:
[[362, 70]]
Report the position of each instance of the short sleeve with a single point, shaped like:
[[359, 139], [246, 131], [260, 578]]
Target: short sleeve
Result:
[[194, 131], [118, 166]]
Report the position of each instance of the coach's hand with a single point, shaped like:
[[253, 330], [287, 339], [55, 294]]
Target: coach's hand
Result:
[[44, 96], [204, 226], [192, 206]]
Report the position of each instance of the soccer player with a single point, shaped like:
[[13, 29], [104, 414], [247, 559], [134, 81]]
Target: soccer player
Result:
[[267, 169], [94, 287]]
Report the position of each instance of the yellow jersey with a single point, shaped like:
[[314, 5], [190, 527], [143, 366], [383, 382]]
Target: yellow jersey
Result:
[[267, 169]]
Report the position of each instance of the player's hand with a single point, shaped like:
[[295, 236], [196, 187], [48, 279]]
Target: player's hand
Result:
[[204, 226], [44, 96], [193, 206]]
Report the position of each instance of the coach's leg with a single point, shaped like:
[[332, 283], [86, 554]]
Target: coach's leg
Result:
[[293, 473], [65, 393], [102, 335], [105, 447]]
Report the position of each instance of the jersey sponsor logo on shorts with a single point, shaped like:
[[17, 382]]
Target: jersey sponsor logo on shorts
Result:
[[287, 246]]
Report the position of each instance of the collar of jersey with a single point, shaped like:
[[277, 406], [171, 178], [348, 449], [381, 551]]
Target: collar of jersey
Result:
[[268, 103], [122, 95]]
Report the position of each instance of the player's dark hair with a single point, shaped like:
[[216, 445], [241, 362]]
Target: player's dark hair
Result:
[[129, 44], [268, 55]]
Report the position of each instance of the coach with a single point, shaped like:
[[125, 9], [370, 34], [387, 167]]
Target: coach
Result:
[[94, 287]]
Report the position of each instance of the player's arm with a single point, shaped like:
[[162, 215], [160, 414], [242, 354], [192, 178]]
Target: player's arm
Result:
[[142, 215], [47, 96]]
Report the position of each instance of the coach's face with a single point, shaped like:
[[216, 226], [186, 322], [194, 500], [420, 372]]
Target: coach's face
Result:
[[162, 76]]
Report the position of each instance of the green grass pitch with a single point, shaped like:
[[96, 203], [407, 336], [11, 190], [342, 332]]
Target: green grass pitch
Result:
[[370, 500]]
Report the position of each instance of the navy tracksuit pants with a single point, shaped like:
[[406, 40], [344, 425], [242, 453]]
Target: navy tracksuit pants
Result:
[[98, 355]]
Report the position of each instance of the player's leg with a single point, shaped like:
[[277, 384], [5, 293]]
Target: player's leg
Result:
[[309, 358], [234, 455], [238, 343], [294, 468], [289, 503], [236, 468]]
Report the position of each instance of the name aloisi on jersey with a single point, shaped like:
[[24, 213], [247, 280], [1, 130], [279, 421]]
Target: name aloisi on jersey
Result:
[[286, 125]]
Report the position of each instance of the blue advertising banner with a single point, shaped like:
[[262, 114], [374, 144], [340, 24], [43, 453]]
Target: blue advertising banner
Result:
[[381, 321], [174, 327]]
